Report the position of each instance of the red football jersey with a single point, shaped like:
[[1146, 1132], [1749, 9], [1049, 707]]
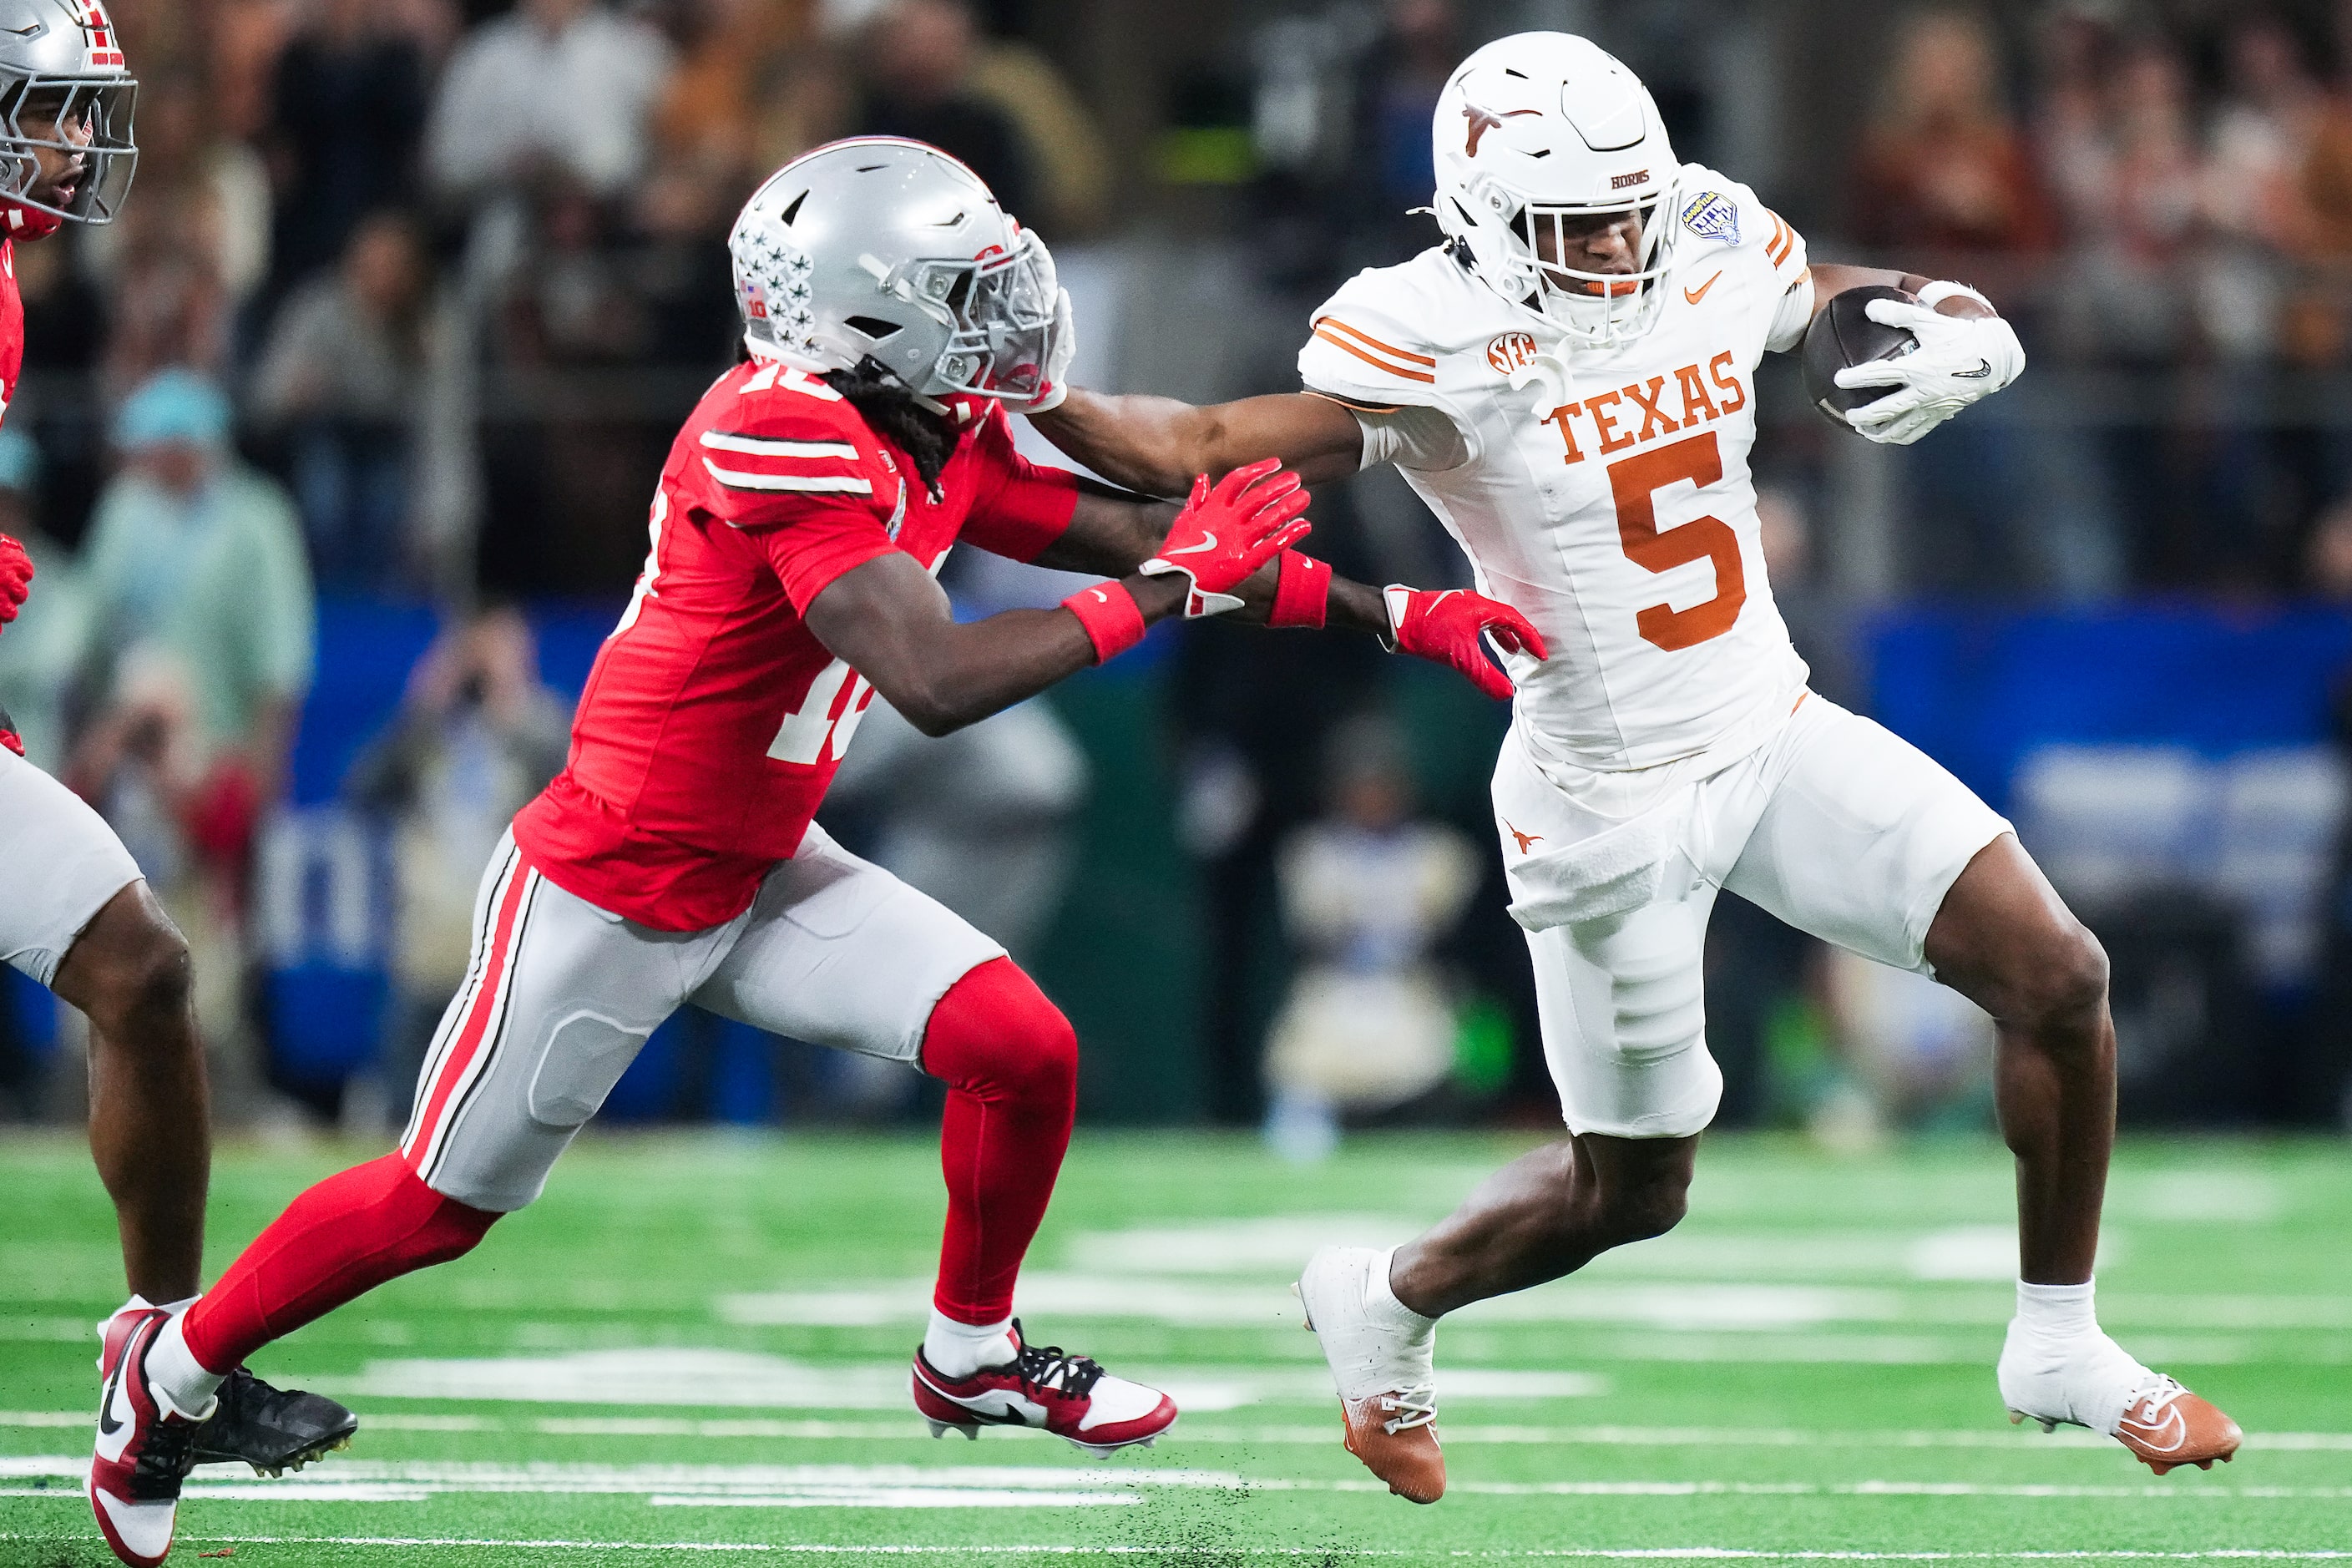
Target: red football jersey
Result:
[[714, 719]]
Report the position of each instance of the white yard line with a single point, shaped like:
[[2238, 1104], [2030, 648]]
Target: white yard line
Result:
[[1992, 1436], [1019, 1485], [1666, 1553]]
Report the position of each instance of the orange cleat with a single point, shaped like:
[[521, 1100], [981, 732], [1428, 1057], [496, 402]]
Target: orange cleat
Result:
[[2173, 1426], [1383, 1361], [1396, 1438], [2168, 1428]]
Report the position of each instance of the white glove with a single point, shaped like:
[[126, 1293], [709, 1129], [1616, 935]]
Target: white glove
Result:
[[1054, 384], [1959, 360]]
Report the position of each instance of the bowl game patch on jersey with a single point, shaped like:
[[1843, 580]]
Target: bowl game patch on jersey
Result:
[[1711, 215]]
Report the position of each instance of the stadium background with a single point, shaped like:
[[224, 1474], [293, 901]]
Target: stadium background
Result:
[[411, 294], [408, 298]]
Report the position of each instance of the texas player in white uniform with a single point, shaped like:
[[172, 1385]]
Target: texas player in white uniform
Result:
[[1569, 383]]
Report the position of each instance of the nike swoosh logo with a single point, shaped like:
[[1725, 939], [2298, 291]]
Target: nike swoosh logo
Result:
[[1100, 597], [106, 1425], [1983, 369], [2163, 1439], [1208, 542], [1696, 295]]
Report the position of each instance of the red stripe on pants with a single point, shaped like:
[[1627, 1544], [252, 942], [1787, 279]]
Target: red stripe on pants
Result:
[[477, 1021]]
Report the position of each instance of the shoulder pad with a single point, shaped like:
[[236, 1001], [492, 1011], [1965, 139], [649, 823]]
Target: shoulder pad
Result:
[[786, 432], [1712, 210], [1367, 344]]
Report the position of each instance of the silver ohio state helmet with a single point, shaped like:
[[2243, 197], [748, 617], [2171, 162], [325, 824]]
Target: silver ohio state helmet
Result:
[[891, 249], [62, 72], [1532, 133]]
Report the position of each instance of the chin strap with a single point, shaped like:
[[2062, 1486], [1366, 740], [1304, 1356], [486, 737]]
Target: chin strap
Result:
[[31, 223]]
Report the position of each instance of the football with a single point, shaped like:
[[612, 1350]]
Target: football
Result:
[[1842, 335]]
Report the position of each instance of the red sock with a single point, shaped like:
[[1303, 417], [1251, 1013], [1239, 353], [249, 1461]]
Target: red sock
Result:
[[1011, 1063], [334, 1244]]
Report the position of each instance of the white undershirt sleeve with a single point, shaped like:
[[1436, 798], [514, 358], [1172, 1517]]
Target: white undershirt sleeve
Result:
[[1793, 316], [1414, 436]]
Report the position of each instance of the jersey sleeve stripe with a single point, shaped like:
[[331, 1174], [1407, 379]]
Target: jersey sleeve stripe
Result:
[[1406, 372], [1369, 341], [823, 484], [1783, 239], [763, 447]]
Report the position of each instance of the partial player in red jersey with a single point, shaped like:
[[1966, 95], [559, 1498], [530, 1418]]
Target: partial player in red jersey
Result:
[[75, 914], [893, 313]]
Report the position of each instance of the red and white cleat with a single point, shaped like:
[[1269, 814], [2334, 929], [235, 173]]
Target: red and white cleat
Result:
[[145, 1446], [1043, 1385]]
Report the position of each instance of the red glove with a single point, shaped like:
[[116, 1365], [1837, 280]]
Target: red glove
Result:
[[1224, 534], [16, 578], [1444, 628]]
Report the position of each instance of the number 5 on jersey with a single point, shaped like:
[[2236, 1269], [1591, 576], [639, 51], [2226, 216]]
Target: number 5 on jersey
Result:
[[1635, 481]]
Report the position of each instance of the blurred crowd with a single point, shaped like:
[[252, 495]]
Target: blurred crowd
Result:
[[410, 296]]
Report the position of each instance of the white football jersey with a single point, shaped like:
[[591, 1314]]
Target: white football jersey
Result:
[[1607, 496]]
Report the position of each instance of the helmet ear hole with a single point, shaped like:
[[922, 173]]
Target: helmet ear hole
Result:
[[874, 327]]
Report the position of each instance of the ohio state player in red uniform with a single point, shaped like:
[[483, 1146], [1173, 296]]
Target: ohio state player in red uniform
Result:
[[75, 913], [801, 515]]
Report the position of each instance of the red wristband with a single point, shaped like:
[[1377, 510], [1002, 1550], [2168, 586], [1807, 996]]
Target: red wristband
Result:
[[1112, 619], [1302, 592]]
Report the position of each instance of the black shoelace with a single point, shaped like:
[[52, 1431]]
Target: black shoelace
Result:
[[1042, 1367], [164, 1460]]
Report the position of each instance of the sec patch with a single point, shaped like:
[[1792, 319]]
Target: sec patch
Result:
[[1509, 350], [1713, 215]]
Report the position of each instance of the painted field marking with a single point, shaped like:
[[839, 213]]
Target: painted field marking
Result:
[[1666, 1553], [734, 1429], [1778, 1306], [673, 1375], [1016, 1486]]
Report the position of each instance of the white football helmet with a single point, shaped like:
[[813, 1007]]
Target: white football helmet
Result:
[[1538, 129]]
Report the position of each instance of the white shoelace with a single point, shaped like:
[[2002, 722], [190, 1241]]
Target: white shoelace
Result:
[[2155, 1401], [1413, 1407]]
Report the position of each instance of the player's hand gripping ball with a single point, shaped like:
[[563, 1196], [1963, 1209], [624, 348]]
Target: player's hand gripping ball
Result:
[[1224, 534], [16, 578], [1445, 627], [1890, 368]]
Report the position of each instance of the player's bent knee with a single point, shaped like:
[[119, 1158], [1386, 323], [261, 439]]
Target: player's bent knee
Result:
[[2066, 982], [146, 978], [995, 1033]]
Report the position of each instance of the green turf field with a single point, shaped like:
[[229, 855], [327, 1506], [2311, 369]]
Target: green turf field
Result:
[[697, 1347]]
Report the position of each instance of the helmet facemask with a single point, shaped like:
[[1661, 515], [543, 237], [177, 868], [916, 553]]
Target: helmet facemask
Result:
[[1000, 312], [1594, 310], [35, 115]]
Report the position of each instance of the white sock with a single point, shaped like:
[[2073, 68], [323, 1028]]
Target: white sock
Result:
[[178, 1307], [958, 1349], [1380, 1301], [173, 1369], [2057, 1313], [2058, 1362]]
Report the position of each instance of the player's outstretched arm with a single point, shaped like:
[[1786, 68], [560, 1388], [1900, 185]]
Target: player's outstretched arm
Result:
[[1156, 445], [890, 622], [1112, 534]]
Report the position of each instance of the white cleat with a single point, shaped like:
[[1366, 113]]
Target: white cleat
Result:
[[1386, 1373], [2094, 1383]]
